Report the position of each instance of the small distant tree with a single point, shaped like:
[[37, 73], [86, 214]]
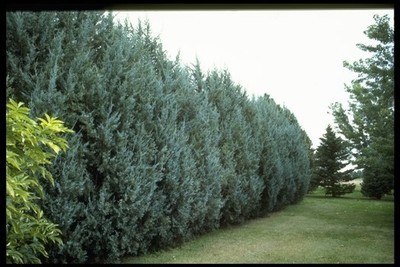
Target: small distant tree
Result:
[[30, 145], [357, 174], [332, 155]]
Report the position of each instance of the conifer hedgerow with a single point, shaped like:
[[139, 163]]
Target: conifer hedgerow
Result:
[[162, 151]]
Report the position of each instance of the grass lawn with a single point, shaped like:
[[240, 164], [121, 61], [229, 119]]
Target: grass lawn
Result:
[[349, 229]]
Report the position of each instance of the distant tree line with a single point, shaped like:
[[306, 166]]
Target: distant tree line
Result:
[[161, 151], [366, 125]]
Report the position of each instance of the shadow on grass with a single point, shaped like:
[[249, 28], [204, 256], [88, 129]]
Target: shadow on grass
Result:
[[389, 198]]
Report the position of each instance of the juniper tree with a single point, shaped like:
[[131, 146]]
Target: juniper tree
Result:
[[239, 184], [204, 135], [284, 161], [270, 162], [332, 156], [298, 145]]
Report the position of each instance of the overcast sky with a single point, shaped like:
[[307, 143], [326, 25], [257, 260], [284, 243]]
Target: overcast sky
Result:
[[295, 56]]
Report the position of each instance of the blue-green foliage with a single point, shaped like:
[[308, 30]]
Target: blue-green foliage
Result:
[[162, 151]]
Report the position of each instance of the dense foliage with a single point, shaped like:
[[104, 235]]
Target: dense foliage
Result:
[[30, 146], [331, 158], [368, 124], [162, 151]]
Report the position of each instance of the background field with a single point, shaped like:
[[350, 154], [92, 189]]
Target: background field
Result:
[[350, 229]]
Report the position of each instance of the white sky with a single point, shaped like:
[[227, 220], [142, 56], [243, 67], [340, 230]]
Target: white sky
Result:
[[295, 56]]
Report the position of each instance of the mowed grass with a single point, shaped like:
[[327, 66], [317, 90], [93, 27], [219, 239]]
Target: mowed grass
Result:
[[350, 229]]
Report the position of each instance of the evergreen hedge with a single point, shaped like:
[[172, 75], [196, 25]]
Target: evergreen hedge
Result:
[[162, 151]]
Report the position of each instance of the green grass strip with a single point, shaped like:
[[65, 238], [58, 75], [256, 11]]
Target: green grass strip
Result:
[[349, 229]]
